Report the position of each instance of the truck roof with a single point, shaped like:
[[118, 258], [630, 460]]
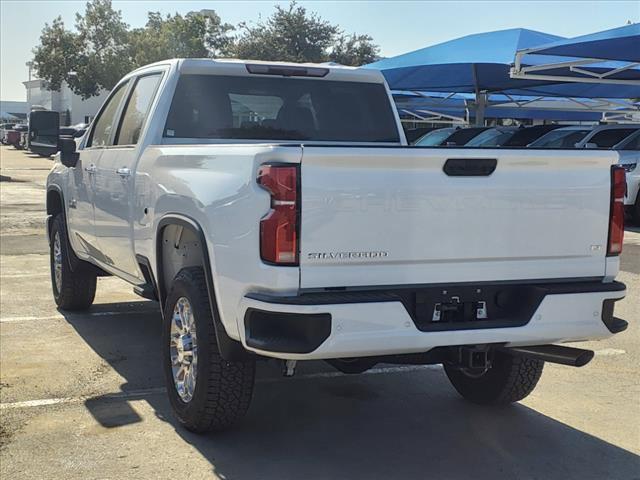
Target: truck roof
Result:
[[232, 66]]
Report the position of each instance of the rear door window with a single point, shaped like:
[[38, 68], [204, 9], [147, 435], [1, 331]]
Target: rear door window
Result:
[[279, 108], [137, 109], [101, 135]]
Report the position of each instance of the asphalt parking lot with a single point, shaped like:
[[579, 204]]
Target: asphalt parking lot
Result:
[[82, 394]]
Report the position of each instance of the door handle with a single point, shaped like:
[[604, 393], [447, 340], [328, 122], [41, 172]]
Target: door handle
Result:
[[470, 167], [90, 169], [124, 172]]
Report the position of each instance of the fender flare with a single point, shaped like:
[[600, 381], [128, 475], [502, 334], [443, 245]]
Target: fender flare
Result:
[[58, 190], [230, 349]]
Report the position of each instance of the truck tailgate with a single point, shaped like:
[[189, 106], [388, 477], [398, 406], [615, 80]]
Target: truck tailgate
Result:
[[392, 216]]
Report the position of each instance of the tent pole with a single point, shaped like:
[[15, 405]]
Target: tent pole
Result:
[[481, 103]]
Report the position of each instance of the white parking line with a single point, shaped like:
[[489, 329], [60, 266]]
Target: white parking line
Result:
[[607, 352], [44, 402], [28, 319], [76, 315], [155, 391], [25, 275]]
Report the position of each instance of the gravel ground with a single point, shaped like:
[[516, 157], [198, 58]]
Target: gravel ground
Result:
[[82, 395]]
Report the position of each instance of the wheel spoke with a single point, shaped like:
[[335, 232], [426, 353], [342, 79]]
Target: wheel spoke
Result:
[[183, 349], [57, 262]]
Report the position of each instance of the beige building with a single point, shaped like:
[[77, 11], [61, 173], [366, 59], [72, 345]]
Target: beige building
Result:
[[73, 109]]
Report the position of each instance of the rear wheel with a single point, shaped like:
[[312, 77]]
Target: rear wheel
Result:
[[206, 392], [510, 379], [72, 289]]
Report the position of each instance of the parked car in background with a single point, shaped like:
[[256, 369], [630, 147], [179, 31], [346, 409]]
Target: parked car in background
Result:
[[564, 137], [450, 137], [4, 128], [75, 131], [14, 137], [607, 136], [312, 233], [525, 135], [493, 137], [435, 137], [462, 136], [80, 129], [485, 136], [629, 151], [24, 139], [68, 131], [413, 134]]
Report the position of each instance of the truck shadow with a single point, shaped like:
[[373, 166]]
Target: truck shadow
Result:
[[401, 425]]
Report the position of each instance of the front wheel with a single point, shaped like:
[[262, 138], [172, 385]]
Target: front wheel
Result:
[[510, 379], [206, 392], [72, 289]]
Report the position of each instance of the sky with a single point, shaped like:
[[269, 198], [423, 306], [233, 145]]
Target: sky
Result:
[[397, 26]]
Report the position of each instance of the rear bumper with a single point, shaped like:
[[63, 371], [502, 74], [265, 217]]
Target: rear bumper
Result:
[[359, 324]]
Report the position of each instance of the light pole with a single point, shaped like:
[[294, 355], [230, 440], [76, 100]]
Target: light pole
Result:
[[29, 64]]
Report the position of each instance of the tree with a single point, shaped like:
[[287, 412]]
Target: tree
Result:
[[288, 35], [57, 53], [102, 48], [106, 53], [354, 50], [92, 58], [292, 34], [195, 35]]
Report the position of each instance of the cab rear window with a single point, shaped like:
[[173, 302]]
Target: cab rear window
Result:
[[267, 108]]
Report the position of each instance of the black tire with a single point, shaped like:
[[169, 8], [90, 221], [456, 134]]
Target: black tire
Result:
[[223, 389], [510, 379], [77, 288]]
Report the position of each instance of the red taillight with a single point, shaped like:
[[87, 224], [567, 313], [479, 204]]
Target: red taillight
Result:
[[279, 229], [616, 215]]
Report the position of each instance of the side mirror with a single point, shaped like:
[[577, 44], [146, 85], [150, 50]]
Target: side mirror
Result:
[[68, 155], [590, 145]]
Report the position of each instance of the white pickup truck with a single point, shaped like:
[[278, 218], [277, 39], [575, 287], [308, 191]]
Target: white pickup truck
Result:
[[275, 210]]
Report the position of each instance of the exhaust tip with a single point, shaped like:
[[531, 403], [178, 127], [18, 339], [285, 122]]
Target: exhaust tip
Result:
[[574, 357], [583, 358]]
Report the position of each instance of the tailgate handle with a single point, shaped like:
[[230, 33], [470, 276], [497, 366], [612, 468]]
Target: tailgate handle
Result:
[[470, 167]]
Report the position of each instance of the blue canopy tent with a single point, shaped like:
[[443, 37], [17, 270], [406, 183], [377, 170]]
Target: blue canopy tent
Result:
[[480, 64], [470, 64], [428, 108], [610, 57], [622, 43]]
